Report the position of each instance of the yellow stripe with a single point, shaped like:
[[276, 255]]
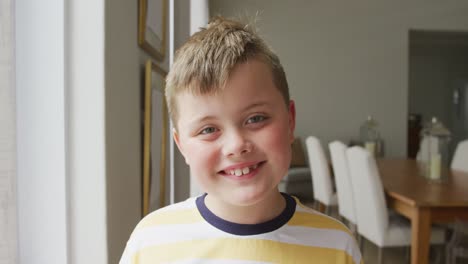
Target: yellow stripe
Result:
[[319, 221], [305, 219], [241, 249], [184, 216]]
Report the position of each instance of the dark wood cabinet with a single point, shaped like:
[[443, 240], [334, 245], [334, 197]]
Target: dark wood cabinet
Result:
[[414, 132]]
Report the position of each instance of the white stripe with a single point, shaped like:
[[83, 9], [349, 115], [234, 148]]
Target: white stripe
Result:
[[351, 248], [165, 234], [297, 235], [307, 236], [320, 237]]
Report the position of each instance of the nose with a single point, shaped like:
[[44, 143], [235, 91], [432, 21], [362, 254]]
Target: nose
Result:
[[237, 144]]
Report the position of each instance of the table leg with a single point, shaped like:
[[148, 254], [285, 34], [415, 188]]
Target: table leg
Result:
[[420, 236]]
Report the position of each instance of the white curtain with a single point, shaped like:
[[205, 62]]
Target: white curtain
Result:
[[199, 15], [8, 236]]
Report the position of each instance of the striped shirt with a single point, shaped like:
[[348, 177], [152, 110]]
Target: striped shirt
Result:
[[188, 232]]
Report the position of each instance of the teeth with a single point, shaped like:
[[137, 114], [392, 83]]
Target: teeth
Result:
[[242, 171]]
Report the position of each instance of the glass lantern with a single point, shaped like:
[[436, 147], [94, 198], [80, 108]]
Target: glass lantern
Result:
[[434, 150], [370, 136]]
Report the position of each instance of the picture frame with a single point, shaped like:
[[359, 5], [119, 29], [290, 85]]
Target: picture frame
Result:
[[152, 27], [155, 138]]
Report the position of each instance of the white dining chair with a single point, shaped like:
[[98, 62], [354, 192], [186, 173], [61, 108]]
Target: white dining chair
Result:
[[373, 220], [460, 156], [344, 190], [321, 179], [457, 247]]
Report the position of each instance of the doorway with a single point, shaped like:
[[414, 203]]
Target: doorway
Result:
[[438, 79]]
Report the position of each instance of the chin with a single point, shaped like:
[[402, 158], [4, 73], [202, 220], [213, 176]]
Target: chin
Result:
[[250, 198]]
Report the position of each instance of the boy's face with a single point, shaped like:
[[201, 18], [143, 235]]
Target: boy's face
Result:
[[238, 141]]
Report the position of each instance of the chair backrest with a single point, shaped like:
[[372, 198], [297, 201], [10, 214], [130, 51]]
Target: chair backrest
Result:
[[460, 157], [343, 181], [371, 208], [321, 179]]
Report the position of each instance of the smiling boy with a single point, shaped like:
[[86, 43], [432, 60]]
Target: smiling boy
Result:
[[234, 123]]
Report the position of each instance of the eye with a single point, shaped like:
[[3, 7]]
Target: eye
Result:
[[208, 130], [256, 119]]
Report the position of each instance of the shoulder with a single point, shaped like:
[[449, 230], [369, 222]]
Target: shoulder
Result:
[[318, 230], [177, 213], [163, 225], [309, 217]]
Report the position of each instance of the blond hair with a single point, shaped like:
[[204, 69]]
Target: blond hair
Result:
[[204, 63]]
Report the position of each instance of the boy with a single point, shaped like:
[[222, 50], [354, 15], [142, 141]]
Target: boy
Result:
[[234, 123]]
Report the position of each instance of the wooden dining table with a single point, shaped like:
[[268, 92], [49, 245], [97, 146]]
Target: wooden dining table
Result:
[[423, 201]]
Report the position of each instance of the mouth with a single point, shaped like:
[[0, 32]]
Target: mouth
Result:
[[240, 171]]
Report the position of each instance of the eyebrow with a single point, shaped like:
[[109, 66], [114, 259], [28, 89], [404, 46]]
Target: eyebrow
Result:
[[197, 120], [255, 105], [200, 120]]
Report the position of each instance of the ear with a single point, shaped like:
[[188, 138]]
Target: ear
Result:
[[292, 120], [176, 137]]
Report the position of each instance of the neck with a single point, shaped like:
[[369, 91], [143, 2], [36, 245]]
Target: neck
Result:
[[259, 212]]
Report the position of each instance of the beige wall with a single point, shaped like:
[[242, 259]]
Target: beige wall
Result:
[[125, 62], [181, 34], [347, 60], [124, 85]]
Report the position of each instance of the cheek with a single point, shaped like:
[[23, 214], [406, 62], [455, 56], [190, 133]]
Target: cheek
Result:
[[201, 156], [277, 139]]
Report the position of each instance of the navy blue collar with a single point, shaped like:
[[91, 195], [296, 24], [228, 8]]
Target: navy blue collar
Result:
[[247, 229]]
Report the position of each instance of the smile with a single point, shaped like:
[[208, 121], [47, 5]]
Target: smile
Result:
[[241, 170]]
